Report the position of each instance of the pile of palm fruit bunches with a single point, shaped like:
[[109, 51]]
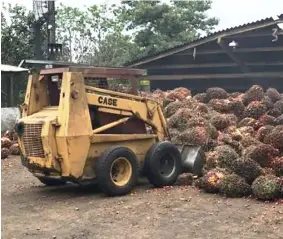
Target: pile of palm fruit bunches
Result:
[[241, 133], [9, 144]]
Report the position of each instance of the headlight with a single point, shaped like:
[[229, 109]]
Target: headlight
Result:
[[19, 128]]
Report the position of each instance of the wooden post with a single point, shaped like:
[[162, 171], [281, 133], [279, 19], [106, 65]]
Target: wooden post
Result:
[[134, 85], [12, 91]]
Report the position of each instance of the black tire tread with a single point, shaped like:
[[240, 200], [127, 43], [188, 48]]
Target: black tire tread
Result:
[[152, 173], [103, 179]]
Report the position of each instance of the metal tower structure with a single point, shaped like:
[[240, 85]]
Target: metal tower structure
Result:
[[44, 12]]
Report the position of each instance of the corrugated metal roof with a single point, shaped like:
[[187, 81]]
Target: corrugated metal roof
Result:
[[9, 68], [209, 37], [47, 62]]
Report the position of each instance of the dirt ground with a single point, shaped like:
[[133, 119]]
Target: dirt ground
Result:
[[32, 210]]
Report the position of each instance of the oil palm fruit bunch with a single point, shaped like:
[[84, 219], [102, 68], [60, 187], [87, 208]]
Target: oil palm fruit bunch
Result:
[[220, 122], [233, 185], [234, 144], [267, 187], [201, 97], [246, 168], [185, 179], [211, 159], [173, 132], [273, 94], [234, 133], [278, 106], [235, 94], [267, 120], [255, 93], [175, 95], [4, 153], [267, 102], [216, 93], [237, 107], [233, 120], [267, 171], [197, 121], [262, 154], [11, 134], [196, 135], [277, 166], [159, 93], [202, 108], [14, 149], [166, 102], [255, 110], [226, 155], [210, 181], [211, 130], [220, 105], [5, 142], [263, 132], [275, 138], [279, 120], [172, 108], [183, 91], [249, 140], [246, 130], [248, 121], [180, 119]]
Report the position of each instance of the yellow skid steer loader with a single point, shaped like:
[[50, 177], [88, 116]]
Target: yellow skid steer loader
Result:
[[70, 131]]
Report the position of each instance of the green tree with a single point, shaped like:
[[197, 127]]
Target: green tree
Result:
[[17, 41], [112, 45], [93, 36], [158, 26], [72, 32]]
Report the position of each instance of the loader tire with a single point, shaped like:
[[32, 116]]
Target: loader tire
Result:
[[162, 164], [117, 171], [51, 181]]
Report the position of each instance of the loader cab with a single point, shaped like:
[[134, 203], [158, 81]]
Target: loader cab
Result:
[[54, 83]]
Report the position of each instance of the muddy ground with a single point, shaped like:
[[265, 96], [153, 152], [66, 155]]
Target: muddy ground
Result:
[[32, 210]]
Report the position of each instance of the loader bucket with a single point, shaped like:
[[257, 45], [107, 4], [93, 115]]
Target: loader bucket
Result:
[[193, 158]]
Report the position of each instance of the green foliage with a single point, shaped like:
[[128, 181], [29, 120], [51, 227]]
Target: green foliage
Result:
[[93, 36], [108, 35], [160, 26], [17, 41]]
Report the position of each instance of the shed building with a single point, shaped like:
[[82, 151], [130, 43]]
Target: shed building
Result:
[[234, 59], [12, 80]]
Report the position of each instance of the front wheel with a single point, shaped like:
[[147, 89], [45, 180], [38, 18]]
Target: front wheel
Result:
[[117, 171], [162, 164]]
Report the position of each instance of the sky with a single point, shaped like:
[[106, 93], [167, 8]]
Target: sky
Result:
[[230, 12]]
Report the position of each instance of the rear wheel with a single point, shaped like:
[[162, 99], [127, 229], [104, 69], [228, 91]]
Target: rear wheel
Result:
[[51, 181], [162, 164], [117, 171]]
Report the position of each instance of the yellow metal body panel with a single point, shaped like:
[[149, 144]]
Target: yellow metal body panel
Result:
[[73, 135], [69, 143], [36, 96]]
